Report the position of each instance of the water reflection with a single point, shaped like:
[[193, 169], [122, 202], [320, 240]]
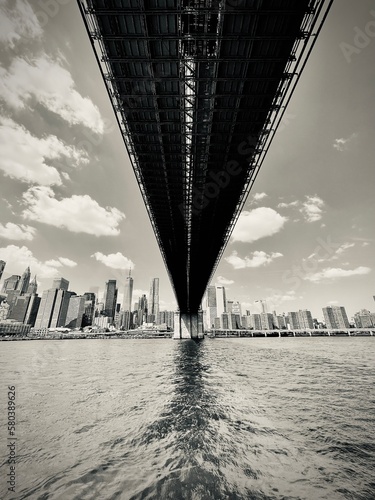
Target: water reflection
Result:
[[199, 445]]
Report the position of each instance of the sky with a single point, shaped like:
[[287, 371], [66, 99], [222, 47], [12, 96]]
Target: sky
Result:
[[70, 205]]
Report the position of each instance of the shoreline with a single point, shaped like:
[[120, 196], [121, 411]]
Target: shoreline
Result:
[[249, 335]]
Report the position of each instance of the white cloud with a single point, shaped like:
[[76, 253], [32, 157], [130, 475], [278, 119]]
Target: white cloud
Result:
[[332, 273], [17, 231], [273, 300], [312, 208], [67, 262], [79, 214], [257, 259], [365, 244], [287, 205], [224, 281], [258, 223], [53, 263], [19, 258], [259, 196], [53, 87], [344, 247], [25, 157], [114, 260], [17, 22], [343, 144]]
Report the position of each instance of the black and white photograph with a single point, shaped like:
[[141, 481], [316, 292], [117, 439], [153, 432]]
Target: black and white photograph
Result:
[[187, 249]]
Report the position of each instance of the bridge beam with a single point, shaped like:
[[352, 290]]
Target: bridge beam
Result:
[[188, 325]]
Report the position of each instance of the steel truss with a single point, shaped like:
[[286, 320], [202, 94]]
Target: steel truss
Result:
[[198, 90]]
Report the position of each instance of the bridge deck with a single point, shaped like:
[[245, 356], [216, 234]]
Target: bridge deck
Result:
[[199, 88]]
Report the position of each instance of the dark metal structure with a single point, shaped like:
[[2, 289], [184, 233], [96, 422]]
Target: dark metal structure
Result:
[[199, 88]]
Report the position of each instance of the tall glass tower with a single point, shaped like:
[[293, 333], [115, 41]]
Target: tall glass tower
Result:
[[153, 301], [110, 298], [128, 294]]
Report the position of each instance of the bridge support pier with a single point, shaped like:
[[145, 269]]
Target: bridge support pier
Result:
[[188, 325]]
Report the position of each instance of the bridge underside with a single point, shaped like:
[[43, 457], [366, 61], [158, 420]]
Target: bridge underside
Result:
[[198, 88]]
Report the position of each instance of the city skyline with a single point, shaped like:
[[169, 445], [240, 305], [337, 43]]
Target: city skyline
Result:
[[215, 301], [70, 204]]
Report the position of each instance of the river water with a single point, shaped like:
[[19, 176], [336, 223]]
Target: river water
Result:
[[288, 418]]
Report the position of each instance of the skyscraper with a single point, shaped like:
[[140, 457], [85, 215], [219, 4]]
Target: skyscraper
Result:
[[211, 306], [305, 319], [153, 301], [221, 301], [75, 312], [11, 283], [142, 310], [128, 293], [54, 305], [23, 283], [2, 267], [335, 317], [33, 287], [32, 310], [110, 299], [89, 313], [60, 284], [216, 303]]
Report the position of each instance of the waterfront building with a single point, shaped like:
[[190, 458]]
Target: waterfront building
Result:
[[102, 321], [255, 321], [246, 321], [75, 312], [12, 327], [335, 317], [293, 320], [224, 321], [266, 320], [54, 305], [167, 318], [153, 301], [23, 283], [281, 322], [2, 267], [305, 320], [110, 299], [364, 319]]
